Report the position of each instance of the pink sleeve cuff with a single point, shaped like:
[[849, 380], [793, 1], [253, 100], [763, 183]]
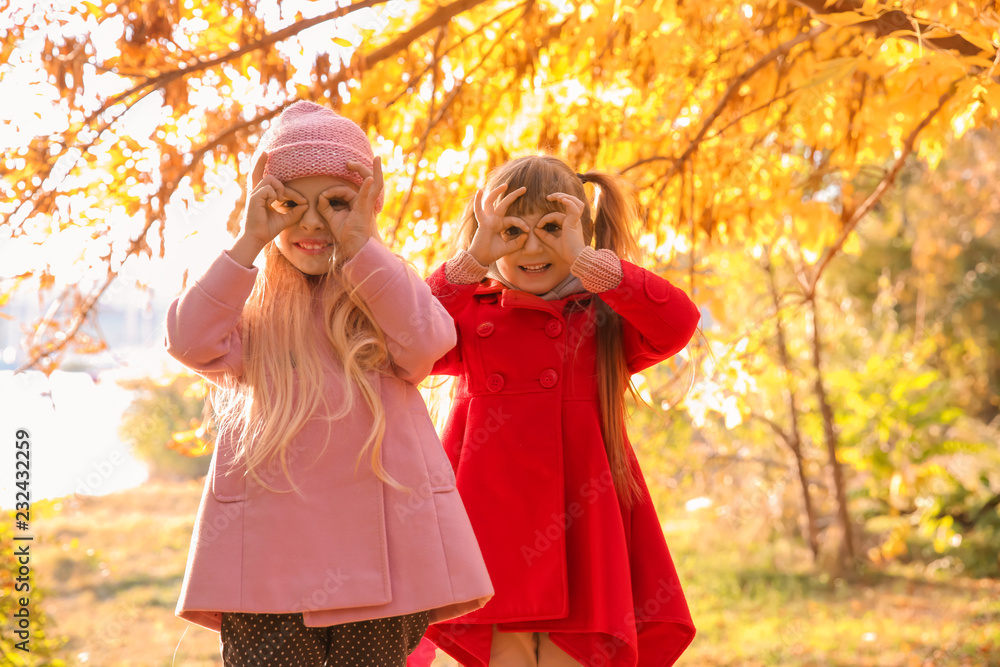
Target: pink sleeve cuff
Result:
[[598, 270], [463, 269]]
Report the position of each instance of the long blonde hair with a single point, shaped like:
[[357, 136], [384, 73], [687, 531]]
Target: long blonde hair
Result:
[[282, 386], [609, 228]]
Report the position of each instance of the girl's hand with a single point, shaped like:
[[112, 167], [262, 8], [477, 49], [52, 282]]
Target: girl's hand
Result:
[[352, 215], [266, 213], [494, 237], [567, 241]]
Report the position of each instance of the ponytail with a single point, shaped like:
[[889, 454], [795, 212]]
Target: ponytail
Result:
[[615, 214]]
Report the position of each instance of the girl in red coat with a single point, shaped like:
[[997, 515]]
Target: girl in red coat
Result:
[[552, 320]]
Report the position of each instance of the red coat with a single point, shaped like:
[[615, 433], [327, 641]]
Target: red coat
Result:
[[525, 440]]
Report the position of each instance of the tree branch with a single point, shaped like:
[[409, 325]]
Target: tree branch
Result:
[[431, 122], [88, 306], [427, 68], [165, 78], [965, 520], [735, 458], [200, 65], [47, 195], [78, 319], [734, 86], [778, 431], [436, 116], [889, 23], [437, 19], [887, 181]]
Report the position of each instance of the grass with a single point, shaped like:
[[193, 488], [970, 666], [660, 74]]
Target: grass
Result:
[[759, 604], [110, 570]]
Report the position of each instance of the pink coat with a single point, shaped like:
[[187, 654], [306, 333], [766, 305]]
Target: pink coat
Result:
[[346, 547]]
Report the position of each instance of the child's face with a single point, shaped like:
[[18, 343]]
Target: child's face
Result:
[[535, 268], [309, 244]]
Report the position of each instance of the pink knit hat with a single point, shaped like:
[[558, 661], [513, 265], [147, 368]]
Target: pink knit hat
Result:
[[308, 139]]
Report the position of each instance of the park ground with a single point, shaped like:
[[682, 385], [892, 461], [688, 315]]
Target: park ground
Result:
[[109, 569]]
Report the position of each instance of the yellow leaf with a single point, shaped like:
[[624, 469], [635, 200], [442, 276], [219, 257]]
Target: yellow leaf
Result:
[[196, 389], [841, 19], [978, 61], [93, 9], [980, 41], [991, 97], [852, 246], [832, 70], [340, 41], [936, 32], [190, 443]]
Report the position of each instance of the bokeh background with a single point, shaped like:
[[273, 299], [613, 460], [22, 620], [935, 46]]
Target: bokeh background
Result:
[[819, 175]]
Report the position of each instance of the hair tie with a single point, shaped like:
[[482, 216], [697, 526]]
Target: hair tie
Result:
[[582, 177]]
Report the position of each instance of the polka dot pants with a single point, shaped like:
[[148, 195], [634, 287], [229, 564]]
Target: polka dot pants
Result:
[[276, 640]]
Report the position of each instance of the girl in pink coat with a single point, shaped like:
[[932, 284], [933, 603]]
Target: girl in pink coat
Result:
[[552, 320], [330, 530]]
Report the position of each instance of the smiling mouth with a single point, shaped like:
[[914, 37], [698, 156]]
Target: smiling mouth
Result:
[[312, 247], [534, 268]]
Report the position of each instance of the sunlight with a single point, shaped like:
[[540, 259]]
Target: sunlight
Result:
[[696, 504], [451, 163]]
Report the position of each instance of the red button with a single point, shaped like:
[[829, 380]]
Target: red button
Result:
[[553, 328], [485, 329], [549, 378], [494, 382]]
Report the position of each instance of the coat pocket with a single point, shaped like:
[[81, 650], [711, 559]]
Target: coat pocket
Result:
[[229, 483], [440, 475]]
